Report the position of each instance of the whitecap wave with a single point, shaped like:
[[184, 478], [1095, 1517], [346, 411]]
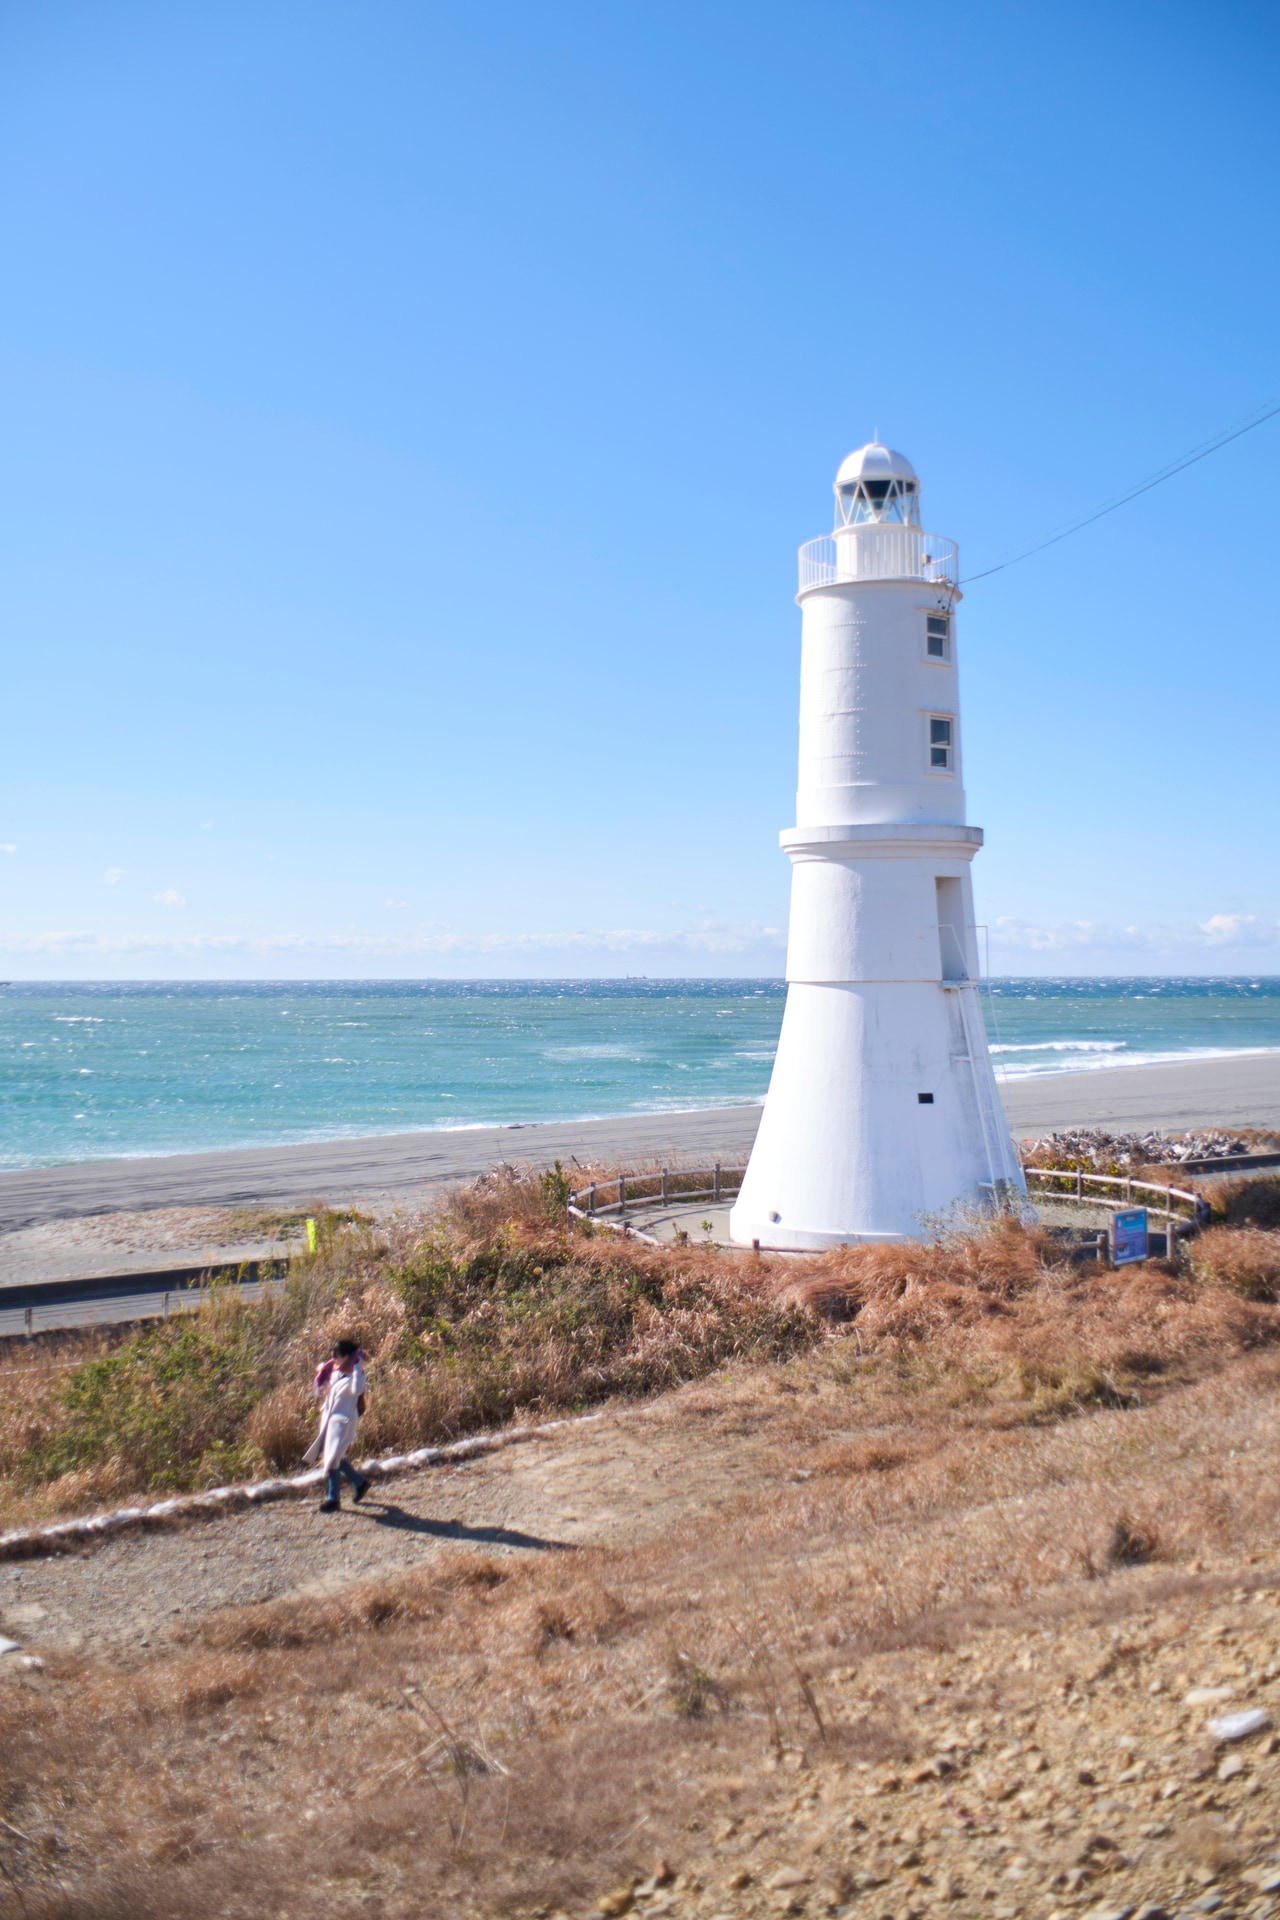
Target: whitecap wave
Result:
[[601, 1051], [1092, 1063], [1061, 1046]]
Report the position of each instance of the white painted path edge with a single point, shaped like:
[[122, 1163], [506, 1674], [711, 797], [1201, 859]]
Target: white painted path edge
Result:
[[27, 1543]]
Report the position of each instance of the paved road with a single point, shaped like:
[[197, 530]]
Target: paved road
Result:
[[133, 1293], [138, 1302], [1239, 1090]]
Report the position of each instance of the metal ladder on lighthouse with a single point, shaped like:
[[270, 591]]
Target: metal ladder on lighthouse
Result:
[[995, 1134]]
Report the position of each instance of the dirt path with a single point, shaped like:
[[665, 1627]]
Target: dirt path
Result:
[[615, 1481]]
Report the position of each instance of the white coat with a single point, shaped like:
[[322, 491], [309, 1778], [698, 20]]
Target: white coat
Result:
[[339, 1417]]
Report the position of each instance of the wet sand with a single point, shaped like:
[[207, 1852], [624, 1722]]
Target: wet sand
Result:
[[401, 1169]]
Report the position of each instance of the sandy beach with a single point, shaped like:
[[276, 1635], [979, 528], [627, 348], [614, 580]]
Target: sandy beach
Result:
[[390, 1169], [1233, 1090]]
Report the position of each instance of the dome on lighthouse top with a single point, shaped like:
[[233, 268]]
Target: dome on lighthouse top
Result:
[[875, 462], [877, 485]]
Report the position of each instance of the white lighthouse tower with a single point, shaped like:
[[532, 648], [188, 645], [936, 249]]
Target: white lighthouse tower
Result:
[[883, 1105]]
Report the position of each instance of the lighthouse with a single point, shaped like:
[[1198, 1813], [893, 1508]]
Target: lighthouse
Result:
[[882, 1110]]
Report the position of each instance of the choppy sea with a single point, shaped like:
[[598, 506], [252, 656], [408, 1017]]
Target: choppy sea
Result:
[[94, 1070]]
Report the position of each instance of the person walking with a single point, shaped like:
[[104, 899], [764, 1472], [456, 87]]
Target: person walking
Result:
[[341, 1381]]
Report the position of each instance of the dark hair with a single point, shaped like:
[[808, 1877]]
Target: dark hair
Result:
[[345, 1348]]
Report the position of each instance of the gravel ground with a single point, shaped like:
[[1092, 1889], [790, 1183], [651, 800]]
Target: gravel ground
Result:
[[1052, 1773]]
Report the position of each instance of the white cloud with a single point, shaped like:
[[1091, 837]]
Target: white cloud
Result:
[[1071, 946], [1234, 930], [7, 846], [170, 898], [705, 939], [1230, 929], [113, 876], [395, 903]]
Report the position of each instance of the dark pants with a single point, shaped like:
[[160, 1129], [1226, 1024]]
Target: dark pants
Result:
[[343, 1471]]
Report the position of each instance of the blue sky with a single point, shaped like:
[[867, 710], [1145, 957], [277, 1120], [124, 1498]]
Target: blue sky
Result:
[[409, 414]]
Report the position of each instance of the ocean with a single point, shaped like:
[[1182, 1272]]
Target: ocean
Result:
[[92, 1070]]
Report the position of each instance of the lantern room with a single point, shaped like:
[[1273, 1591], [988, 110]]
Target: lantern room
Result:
[[877, 487]]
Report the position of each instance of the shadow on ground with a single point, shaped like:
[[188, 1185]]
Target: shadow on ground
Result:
[[402, 1522]]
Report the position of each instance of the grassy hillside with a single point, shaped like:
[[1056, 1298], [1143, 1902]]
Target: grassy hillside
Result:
[[999, 1522], [500, 1306]]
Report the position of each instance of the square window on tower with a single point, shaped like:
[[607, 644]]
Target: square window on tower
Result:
[[937, 627], [940, 743]]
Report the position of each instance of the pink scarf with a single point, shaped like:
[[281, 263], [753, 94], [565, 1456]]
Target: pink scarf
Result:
[[325, 1371]]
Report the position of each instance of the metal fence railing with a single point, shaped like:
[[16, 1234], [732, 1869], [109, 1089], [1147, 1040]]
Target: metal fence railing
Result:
[[663, 1188], [1181, 1210], [608, 1200]]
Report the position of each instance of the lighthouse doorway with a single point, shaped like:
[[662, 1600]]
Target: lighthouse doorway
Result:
[[951, 929]]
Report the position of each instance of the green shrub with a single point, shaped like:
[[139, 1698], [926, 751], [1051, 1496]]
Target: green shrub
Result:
[[556, 1188], [169, 1404]]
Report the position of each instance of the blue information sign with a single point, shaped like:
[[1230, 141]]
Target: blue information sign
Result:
[[1129, 1237]]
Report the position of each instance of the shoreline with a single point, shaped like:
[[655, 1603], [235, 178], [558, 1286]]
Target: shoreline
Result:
[[445, 1132], [1186, 1057], [381, 1170], [1011, 1080]]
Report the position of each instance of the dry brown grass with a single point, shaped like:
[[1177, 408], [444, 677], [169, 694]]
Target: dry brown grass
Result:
[[1241, 1259], [1241, 1202], [1070, 1335]]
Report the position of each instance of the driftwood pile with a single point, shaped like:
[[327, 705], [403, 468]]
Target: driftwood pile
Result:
[[1096, 1148]]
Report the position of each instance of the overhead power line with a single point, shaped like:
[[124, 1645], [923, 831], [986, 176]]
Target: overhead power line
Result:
[[1268, 411]]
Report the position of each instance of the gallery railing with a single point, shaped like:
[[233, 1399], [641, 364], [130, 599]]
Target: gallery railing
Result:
[[878, 553]]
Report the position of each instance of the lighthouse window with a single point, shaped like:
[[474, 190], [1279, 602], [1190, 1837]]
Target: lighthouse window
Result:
[[940, 743], [938, 636]]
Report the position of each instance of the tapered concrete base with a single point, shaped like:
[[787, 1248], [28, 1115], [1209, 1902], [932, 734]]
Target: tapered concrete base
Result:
[[847, 1150]]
